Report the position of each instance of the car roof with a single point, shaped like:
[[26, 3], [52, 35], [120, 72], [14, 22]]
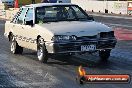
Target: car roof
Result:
[[47, 4]]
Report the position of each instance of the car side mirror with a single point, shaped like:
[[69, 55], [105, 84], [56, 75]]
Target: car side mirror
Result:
[[91, 18], [30, 22]]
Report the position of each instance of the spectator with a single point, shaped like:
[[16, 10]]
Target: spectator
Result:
[[33, 1], [44, 1]]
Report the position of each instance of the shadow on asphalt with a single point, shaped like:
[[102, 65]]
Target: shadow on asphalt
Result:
[[72, 60]]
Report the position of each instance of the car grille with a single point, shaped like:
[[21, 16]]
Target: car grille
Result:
[[95, 37], [87, 37]]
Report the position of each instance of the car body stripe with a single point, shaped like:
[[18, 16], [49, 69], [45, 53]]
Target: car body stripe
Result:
[[25, 39]]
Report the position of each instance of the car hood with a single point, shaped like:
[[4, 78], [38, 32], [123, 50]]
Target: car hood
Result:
[[78, 28]]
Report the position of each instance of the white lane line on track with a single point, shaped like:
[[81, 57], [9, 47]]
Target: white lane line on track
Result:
[[122, 17], [46, 75]]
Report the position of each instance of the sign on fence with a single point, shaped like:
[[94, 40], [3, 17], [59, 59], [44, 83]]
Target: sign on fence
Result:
[[120, 7], [129, 8]]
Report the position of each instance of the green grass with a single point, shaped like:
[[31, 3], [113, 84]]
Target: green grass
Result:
[[26, 2]]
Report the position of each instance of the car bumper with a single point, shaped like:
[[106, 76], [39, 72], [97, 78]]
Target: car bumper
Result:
[[73, 47]]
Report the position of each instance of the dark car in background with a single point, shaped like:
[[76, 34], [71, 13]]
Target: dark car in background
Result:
[[9, 3]]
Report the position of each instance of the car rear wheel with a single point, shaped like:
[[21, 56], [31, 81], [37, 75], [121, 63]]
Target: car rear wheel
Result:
[[104, 55], [67, 55], [42, 53], [15, 48]]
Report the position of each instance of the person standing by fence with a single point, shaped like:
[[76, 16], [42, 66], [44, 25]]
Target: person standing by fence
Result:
[[44, 1], [33, 1]]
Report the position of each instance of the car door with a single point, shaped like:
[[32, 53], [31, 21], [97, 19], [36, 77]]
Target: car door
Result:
[[17, 26], [30, 31]]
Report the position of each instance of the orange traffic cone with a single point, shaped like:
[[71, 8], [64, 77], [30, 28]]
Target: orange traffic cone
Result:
[[16, 4]]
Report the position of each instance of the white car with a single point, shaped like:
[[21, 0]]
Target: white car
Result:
[[58, 28]]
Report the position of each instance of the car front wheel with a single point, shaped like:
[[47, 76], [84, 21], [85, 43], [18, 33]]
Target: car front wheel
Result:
[[104, 55], [42, 53]]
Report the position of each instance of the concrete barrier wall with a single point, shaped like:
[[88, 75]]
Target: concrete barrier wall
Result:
[[116, 7], [96, 6], [3, 8], [7, 13], [11, 13]]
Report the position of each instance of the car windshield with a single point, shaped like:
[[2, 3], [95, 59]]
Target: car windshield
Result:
[[60, 13]]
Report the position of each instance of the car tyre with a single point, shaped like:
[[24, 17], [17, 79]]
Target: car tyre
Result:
[[15, 48], [104, 55], [42, 53]]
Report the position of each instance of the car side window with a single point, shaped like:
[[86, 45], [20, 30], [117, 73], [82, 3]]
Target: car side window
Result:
[[79, 13], [20, 19], [14, 20], [29, 15]]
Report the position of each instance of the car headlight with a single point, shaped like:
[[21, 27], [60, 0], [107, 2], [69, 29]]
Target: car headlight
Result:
[[63, 38]]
